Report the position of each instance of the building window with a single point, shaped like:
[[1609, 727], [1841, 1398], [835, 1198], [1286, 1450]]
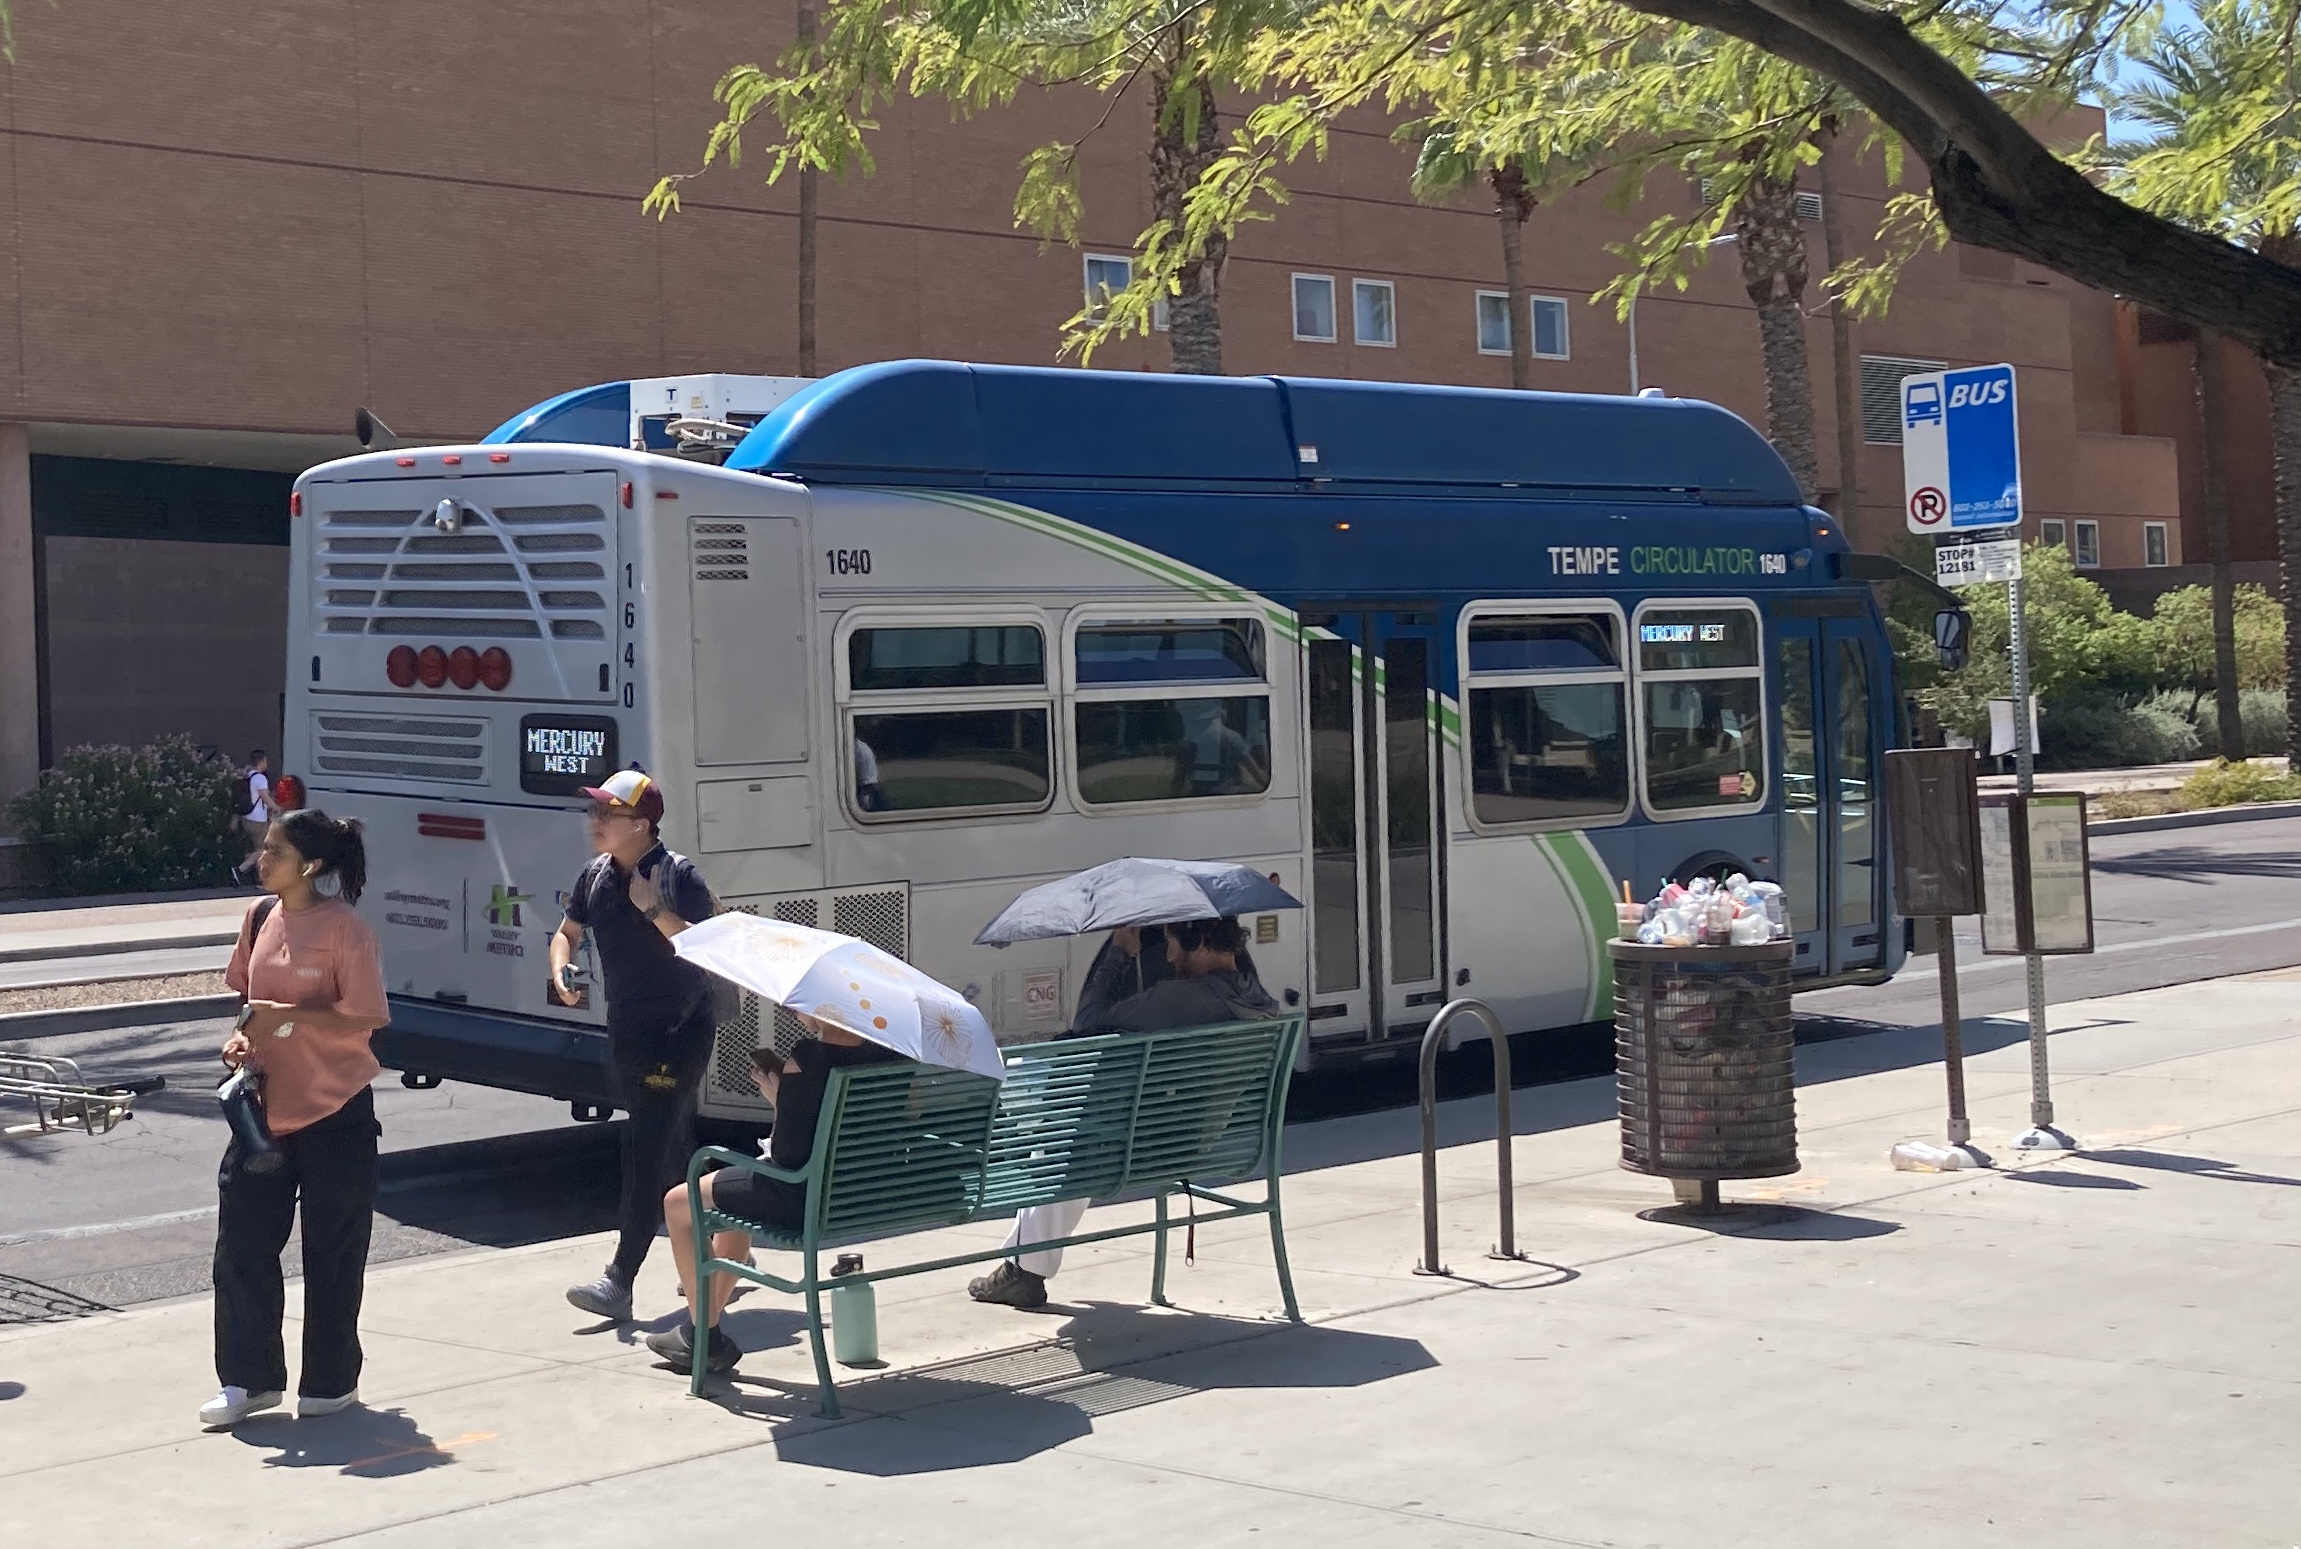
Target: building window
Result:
[[949, 718], [1550, 342], [2154, 548], [2055, 533], [1374, 312], [1882, 395], [1106, 277], [1701, 687], [1171, 710], [1547, 738], [1314, 308], [2088, 549], [1493, 322]]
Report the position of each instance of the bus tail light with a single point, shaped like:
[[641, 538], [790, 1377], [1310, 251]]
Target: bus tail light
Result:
[[495, 668], [450, 825], [431, 666], [295, 502], [463, 667], [400, 666]]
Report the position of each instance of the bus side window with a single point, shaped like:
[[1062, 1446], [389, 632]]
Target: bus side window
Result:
[[1701, 693], [1547, 700], [1171, 710], [948, 718]]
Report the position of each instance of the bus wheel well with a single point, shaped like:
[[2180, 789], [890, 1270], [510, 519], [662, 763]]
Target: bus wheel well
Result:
[[1717, 865]]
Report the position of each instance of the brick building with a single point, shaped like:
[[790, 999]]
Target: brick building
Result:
[[229, 225]]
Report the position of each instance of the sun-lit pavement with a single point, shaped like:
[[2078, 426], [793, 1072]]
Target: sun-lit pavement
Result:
[[2093, 1350]]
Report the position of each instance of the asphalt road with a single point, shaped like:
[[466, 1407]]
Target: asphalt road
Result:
[[129, 1216]]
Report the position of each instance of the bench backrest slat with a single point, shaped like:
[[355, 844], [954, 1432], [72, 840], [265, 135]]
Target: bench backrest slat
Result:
[[907, 1146]]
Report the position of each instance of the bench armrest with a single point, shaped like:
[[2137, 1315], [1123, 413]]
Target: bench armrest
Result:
[[747, 1163]]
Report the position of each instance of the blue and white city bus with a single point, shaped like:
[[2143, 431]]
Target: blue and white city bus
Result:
[[1451, 664]]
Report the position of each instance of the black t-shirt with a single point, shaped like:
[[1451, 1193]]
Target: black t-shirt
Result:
[[799, 1100], [645, 981]]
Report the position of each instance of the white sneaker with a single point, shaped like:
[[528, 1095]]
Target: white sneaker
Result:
[[309, 1408], [233, 1405]]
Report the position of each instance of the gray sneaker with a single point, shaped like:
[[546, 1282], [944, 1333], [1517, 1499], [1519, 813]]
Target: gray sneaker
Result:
[[677, 1345], [1010, 1285], [607, 1297]]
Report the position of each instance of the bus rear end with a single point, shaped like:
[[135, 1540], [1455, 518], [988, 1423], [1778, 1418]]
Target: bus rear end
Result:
[[454, 682]]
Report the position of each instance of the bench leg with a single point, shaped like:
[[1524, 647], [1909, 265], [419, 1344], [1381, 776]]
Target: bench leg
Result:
[[1158, 1259], [830, 1410], [701, 1340], [1278, 1254]]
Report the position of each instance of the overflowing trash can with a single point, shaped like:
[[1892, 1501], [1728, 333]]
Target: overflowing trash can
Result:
[[1704, 1062]]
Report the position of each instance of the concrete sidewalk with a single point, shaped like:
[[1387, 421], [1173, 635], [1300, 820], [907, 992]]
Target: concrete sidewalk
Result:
[[68, 930], [2086, 1351]]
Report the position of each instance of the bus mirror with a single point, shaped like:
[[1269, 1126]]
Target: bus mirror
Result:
[[1952, 633], [374, 435]]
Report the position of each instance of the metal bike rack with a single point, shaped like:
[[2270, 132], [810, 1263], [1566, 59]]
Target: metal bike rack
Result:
[[1507, 1248]]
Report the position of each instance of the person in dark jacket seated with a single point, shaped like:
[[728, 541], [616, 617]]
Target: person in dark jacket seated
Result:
[[797, 1093], [1212, 982]]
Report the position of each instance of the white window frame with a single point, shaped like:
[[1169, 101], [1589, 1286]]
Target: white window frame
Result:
[[2079, 531], [2054, 531], [2161, 532], [1504, 608], [850, 702], [1357, 285], [1294, 309], [1087, 262], [1151, 613], [1478, 319], [1565, 328], [1640, 678]]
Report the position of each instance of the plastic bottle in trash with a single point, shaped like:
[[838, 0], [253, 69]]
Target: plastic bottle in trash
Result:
[[1718, 919], [1751, 930]]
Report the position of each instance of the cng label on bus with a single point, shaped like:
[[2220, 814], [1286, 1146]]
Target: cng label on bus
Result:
[[1961, 450]]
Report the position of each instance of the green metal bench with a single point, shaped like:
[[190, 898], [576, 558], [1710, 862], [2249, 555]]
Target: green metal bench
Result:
[[906, 1148]]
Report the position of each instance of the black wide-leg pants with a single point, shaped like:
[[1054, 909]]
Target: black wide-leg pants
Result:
[[330, 1169], [657, 1075]]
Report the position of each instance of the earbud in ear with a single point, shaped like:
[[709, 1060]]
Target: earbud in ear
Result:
[[312, 870]]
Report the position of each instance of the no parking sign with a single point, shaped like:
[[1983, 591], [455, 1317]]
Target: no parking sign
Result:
[[1961, 450]]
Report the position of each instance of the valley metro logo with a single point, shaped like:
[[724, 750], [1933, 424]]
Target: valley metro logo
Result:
[[503, 905]]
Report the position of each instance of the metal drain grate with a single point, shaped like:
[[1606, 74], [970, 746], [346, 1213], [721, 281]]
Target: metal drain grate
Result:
[[28, 1301]]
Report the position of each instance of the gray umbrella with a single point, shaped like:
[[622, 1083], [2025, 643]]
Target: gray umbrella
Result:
[[1136, 891]]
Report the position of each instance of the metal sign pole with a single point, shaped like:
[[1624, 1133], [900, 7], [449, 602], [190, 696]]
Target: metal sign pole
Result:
[[2041, 1135], [1952, 1029]]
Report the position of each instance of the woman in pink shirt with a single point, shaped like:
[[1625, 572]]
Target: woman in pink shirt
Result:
[[313, 979]]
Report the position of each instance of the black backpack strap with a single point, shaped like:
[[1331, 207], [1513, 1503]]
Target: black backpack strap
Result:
[[255, 927]]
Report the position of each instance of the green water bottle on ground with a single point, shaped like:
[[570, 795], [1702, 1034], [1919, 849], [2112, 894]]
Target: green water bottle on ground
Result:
[[854, 1314]]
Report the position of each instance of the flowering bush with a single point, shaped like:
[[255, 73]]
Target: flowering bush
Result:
[[134, 820]]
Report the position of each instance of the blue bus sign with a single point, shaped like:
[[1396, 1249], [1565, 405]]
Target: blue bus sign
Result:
[[1961, 450]]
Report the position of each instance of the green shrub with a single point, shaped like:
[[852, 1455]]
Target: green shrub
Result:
[[2098, 731], [2261, 710], [133, 820], [2223, 784]]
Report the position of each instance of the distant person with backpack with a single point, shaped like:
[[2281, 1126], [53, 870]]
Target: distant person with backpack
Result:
[[661, 1009], [259, 807]]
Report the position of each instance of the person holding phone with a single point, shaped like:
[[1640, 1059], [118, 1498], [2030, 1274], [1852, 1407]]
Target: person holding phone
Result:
[[632, 899], [312, 976]]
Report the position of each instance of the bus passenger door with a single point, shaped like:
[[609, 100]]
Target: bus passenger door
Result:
[[1376, 928], [1829, 787]]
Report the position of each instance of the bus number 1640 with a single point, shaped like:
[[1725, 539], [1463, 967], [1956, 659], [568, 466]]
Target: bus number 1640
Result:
[[847, 561]]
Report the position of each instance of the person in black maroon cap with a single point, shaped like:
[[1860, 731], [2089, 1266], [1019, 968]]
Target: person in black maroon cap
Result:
[[633, 898]]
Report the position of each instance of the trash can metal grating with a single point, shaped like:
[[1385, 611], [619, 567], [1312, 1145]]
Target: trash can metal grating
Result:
[[1704, 1061]]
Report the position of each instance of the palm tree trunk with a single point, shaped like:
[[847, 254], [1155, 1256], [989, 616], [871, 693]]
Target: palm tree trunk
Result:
[[1843, 379], [1513, 203], [1773, 254], [2285, 449], [2227, 715], [806, 234], [1183, 146]]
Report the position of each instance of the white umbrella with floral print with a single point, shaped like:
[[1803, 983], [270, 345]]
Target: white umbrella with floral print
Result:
[[850, 983]]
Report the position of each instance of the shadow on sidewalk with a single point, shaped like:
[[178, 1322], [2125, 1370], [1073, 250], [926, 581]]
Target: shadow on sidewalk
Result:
[[361, 1443], [2194, 1166], [1013, 1404]]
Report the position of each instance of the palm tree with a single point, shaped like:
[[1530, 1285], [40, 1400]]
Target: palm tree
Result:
[[1443, 169], [2221, 152], [1772, 250], [2229, 720]]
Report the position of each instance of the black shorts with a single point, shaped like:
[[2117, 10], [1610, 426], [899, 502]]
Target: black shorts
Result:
[[772, 1202]]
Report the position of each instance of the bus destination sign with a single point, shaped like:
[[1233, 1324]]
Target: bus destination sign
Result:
[[561, 754]]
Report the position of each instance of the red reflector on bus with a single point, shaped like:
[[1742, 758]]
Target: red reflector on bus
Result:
[[499, 457], [295, 502], [400, 666], [447, 825], [431, 666], [463, 667], [495, 668], [626, 494], [403, 462], [667, 494]]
